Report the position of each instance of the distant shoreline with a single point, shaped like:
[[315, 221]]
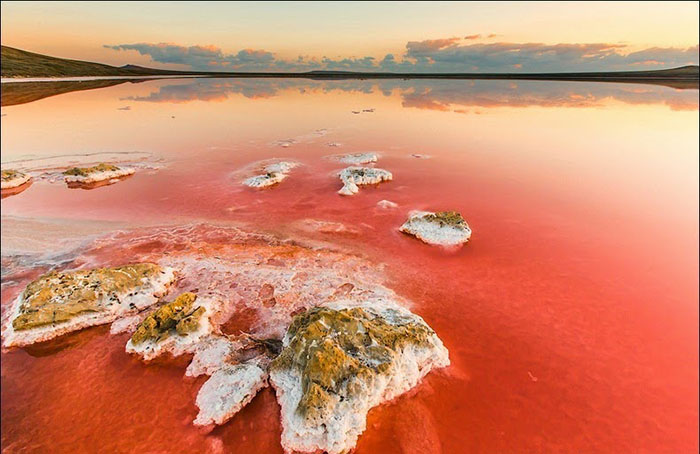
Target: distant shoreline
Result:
[[572, 77], [22, 66]]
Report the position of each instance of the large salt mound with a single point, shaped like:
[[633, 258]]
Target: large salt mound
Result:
[[341, 360], [95, 174], [60, 302], [13, 178], [446, 228], [354, 176]]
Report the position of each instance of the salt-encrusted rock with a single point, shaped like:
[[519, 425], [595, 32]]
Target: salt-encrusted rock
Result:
[[237, 368], [173, 327], [13, 178], [228, 390], [358, 158], [341, 360], [267, 282], [447, 228], [60, 302], [354, 176], [274, 173], [387, 204], [95, 174]]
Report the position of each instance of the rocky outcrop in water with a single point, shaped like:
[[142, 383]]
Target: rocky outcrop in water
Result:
[[446, 228], [331, 339], [13, 178], [341, 360], [95, 174], [60, 302], [352, 177]]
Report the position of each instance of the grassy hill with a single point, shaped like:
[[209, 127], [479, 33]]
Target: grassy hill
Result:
[[20, 63]]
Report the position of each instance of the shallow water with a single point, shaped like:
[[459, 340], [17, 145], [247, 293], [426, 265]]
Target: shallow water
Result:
[[571, 316]]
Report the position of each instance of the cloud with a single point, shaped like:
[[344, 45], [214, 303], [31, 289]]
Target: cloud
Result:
[[201, 57], [436, 55], [431, 45]]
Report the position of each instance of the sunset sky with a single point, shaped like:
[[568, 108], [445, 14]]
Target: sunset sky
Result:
[[289, 36]]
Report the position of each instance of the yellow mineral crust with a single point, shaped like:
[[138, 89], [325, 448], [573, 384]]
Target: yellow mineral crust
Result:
[[331, 348], [178, 315], [86, 171], [59, 296]]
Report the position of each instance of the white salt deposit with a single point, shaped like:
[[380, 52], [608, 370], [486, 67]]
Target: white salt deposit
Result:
[[354, 176], [18, 179], [94, 177], [428, 227], [274, 173]]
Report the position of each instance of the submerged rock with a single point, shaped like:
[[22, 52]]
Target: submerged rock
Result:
[[274, 173], [354, 176], [327, 227], [61, 302], [100, 172], [13, 178], [387, 204], [447, 228], [341, 360]]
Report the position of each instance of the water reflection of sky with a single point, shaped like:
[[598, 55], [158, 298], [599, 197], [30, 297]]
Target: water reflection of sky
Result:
[[444, 95]]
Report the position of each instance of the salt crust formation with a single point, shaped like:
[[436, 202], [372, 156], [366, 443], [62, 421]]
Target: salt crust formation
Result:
[[358, 158], [13, 178], [352, 177], [274, 173], [328, 336], [446, 228], [60, 302], [95, 174]]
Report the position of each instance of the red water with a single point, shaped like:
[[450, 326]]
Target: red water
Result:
[[571, 316]]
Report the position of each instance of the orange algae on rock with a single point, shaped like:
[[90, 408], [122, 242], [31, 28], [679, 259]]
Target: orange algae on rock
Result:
[[59, 296]]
